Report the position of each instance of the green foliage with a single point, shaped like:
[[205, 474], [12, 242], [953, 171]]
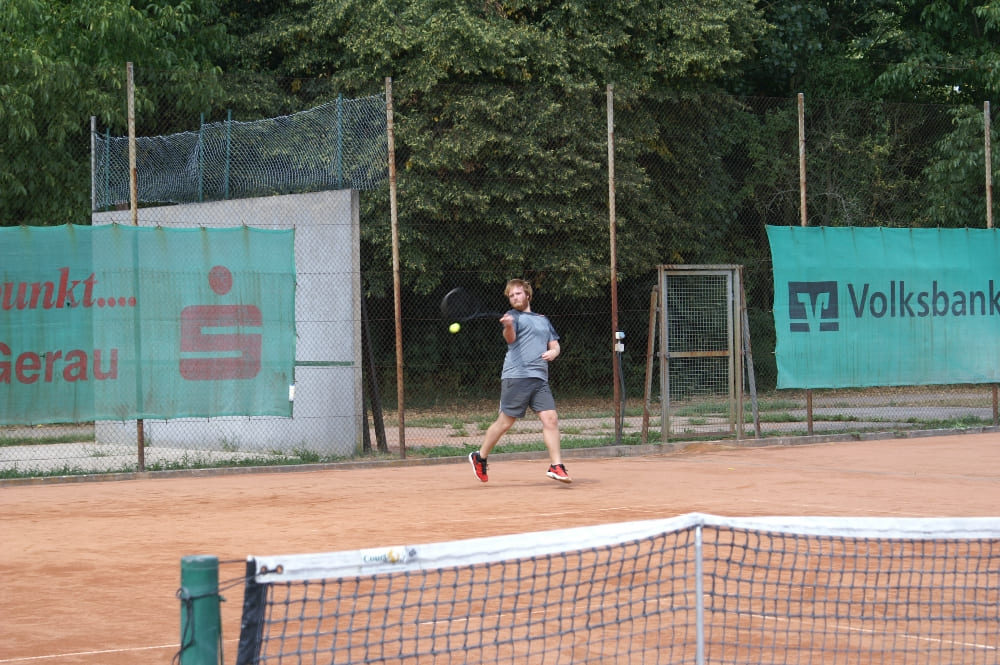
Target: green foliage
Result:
[[488, 186], [955, 195], [64, 62], [500, 122], [867, 161], [821, 48], [944, 51]]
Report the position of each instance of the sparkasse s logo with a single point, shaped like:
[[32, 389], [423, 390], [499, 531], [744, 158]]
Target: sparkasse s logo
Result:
[[813, 306]]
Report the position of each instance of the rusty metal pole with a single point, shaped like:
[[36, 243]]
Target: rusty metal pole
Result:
[[396, 287], [804, 221], [616, 372], [988, 151], [140, 430]]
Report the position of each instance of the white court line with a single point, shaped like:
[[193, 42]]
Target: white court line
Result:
[[837, 627], [854, 629], [30, 659]]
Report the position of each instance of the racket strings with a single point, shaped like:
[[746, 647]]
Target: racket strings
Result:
[[459, 305]]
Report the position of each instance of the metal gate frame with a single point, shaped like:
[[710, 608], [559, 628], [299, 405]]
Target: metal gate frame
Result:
[[733, 351]]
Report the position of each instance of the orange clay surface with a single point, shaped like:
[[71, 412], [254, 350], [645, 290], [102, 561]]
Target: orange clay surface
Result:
[[90, 569]]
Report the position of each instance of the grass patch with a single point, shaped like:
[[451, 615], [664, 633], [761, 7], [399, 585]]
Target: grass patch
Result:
[[42, 440], [778, 418], [953, 423]]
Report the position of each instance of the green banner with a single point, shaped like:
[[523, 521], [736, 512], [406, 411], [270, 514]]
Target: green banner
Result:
[[885, 307], [120, 322]]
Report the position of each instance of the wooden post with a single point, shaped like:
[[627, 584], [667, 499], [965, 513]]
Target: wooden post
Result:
[[140, 430], [654, 308], [612, 234], [989, 166], [988, 151], [396, 284], [804, 218]]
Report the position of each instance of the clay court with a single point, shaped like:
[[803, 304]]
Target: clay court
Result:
[[91, 569]]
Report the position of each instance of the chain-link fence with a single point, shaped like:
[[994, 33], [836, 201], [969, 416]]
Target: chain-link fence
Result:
[[336, 145], [496, 182]]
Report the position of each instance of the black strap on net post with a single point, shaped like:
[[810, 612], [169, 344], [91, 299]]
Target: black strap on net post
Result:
[[201, 616], [252, 623], [188, 628]]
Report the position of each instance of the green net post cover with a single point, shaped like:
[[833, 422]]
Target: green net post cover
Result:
[[201, 621]]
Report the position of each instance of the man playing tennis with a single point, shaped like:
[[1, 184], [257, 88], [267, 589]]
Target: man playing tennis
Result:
[[532, 343]]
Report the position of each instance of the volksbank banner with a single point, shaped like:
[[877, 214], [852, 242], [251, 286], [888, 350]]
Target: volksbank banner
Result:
[[119, 322], [882, 307]]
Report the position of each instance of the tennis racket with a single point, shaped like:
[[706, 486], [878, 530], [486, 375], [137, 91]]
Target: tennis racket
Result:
[[459, 306]]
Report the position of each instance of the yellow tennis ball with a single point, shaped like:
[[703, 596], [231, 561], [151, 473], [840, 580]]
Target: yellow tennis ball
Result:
[[454, 328]]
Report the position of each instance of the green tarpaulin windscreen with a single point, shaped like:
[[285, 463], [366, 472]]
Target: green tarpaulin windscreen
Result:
[[885, 307], [118, 322]]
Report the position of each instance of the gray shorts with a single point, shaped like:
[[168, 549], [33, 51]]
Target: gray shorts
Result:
[[516, 395]]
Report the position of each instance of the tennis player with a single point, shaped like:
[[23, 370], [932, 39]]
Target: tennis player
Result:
[[532, 343]]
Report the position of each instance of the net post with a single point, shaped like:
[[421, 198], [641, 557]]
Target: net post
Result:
[[699, 593], [252, 624], [201, 622]]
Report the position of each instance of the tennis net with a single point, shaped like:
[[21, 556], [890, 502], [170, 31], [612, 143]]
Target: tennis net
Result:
[[691, 589]]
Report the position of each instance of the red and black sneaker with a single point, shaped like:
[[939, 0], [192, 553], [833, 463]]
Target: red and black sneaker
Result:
[[558, 472], [478, 465]]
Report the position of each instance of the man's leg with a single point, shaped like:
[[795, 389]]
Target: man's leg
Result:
[[493, 434], [495, 431], [550, 434]]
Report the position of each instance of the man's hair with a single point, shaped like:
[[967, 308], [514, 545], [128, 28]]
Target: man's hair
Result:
[[511, 283]]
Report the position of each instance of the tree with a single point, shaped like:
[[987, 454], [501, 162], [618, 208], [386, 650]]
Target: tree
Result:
[[875, 156], [944, 51], [948, 52], [65, 61], [500, 110], [823, 48]]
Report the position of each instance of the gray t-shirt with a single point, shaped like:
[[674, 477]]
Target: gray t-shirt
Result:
[[524, 357]]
